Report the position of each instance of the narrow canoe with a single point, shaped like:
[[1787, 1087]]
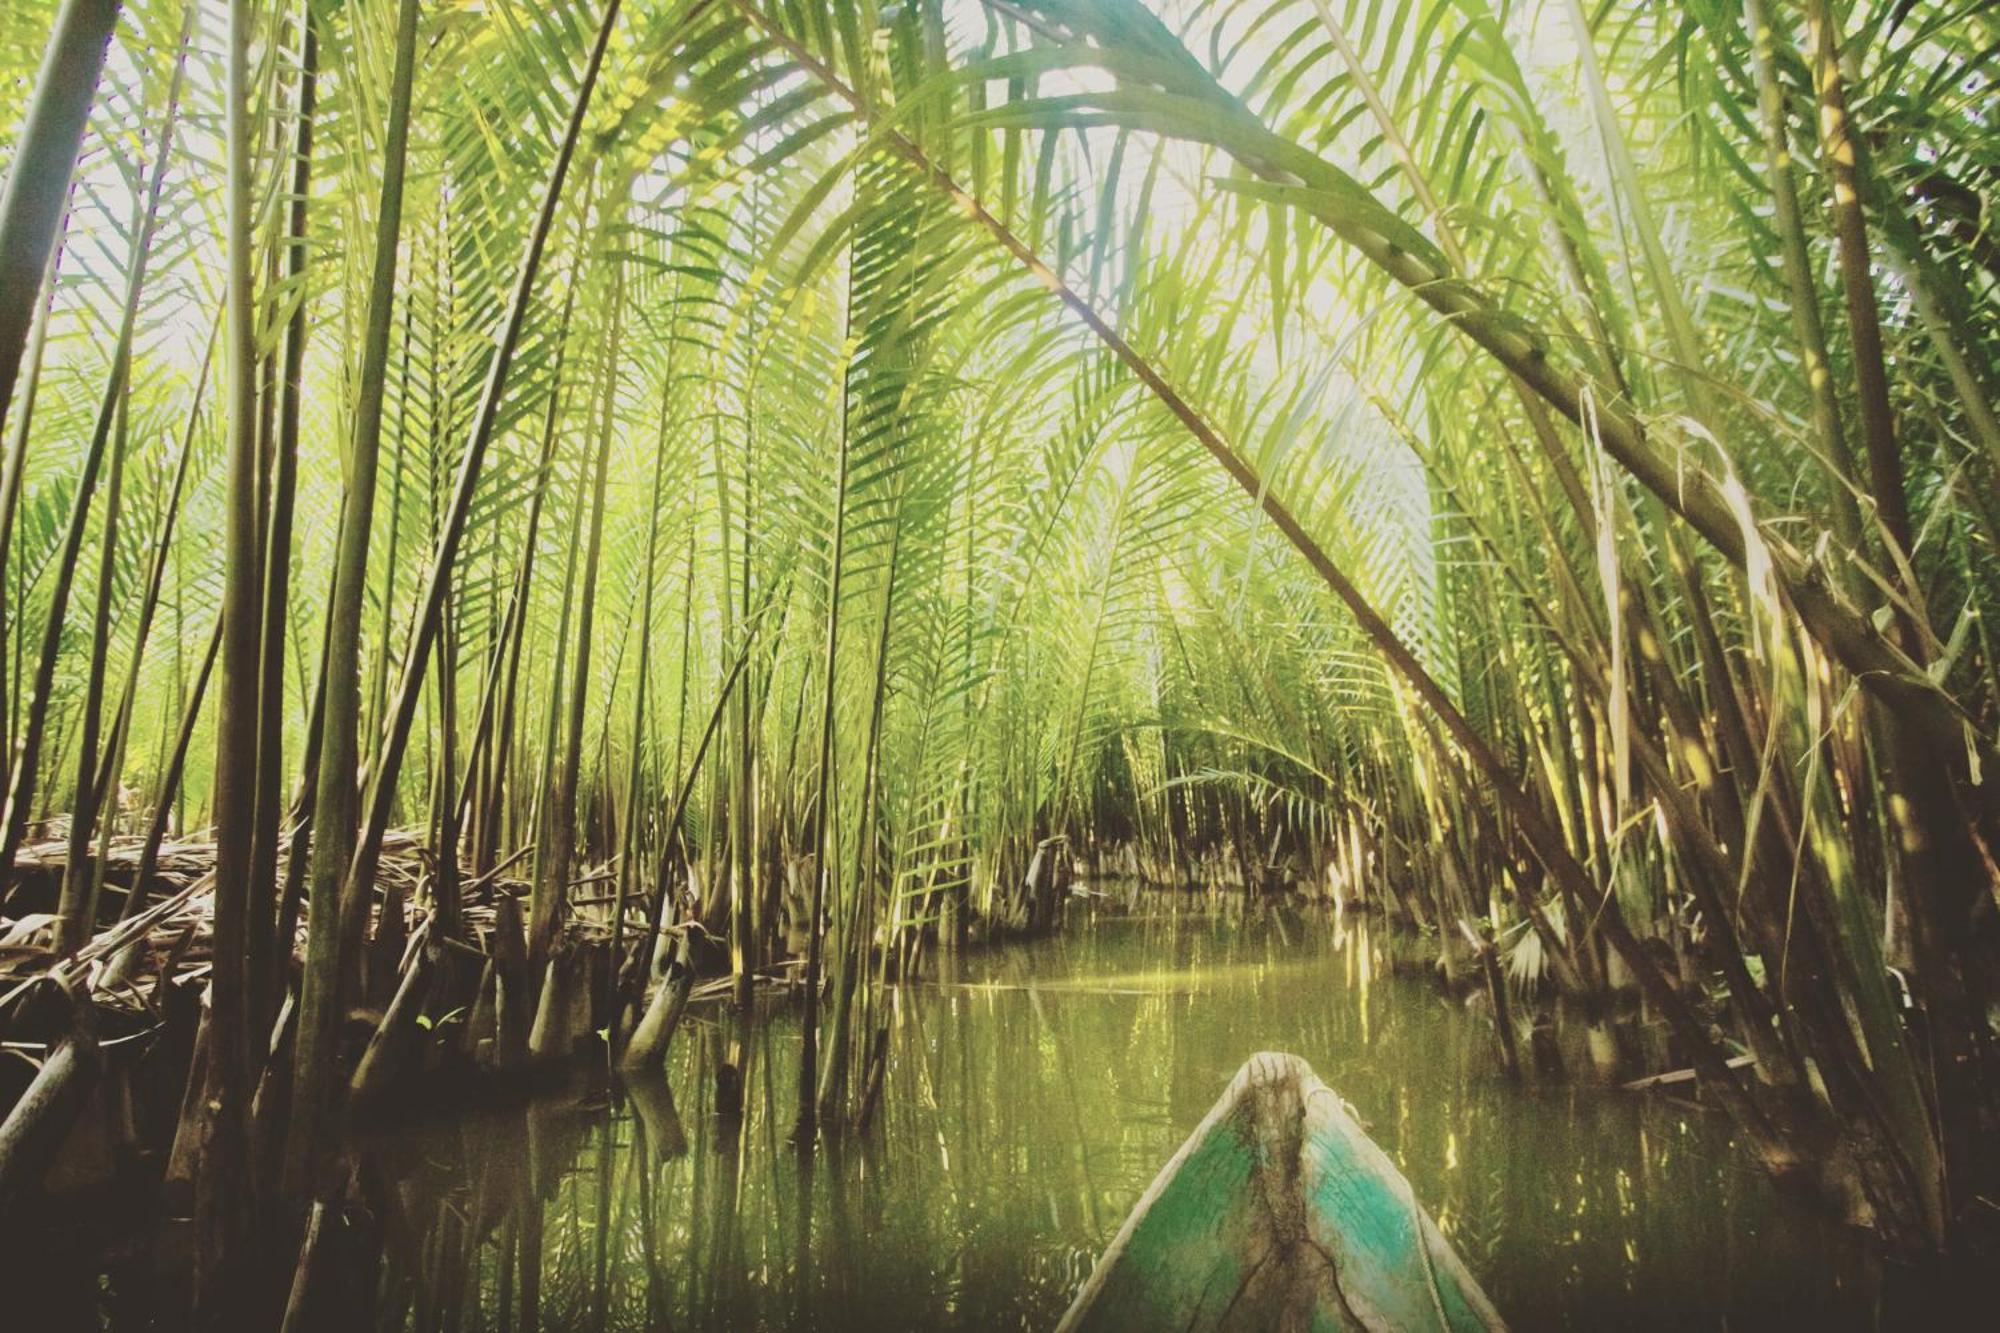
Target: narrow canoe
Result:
[[1280, 1213]]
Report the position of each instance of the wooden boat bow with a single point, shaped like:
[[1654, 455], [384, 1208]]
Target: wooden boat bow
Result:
[[1279, 1212]]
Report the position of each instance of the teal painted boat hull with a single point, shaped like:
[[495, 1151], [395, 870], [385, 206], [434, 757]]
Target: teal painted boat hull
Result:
[[1280, 1213]]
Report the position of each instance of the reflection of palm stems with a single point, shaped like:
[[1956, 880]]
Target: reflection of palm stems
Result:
[[1262, 457]]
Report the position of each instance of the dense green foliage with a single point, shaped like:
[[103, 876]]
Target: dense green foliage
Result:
[[1527, 465]]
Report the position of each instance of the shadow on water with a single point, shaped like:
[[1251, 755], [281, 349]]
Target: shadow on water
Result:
[[1033, 1092]]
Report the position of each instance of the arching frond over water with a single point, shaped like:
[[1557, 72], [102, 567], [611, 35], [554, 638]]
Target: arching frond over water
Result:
[[809, 478]]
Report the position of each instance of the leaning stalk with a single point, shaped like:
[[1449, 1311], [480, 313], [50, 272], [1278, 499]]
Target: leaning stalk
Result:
[[334, 803]]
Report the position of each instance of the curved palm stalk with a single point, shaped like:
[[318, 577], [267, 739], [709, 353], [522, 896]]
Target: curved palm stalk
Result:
[[491, 734], [554, 716], [269, 956], [735, 774], [27, 756], [1070, 620], [1688, 362], [896, 279], [1817, 979], [552, 879], [76, 911], [1923, 725], [1588, 278], [222, 1204], [1530, 823], [863, 875], [671, 838], [1838, 147], [292, 889], [445, 880], [1941, 307], [31, 206], [1945, 867], [805, 1129], [334, 803], [378, 696], [112, 760], [1618, 591], [1834, 454], [1688, 368], [1708, 873], [11, 475], [630, 848], [170, 778], [1292, 175], [360, 878]]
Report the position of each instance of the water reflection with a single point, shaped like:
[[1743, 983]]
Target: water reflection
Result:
[[1032, 1093]]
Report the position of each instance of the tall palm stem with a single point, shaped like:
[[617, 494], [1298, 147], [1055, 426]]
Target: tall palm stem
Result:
[[552, 883], [221, 1198], [629, 849], [45, 155], [270, 956], [360, 876], [1839, 148], [1834, 453], [27, 755], [826, 836], [12, 473], [334, 803]]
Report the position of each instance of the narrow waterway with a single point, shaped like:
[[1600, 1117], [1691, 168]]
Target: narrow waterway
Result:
[[1033, 1092]]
